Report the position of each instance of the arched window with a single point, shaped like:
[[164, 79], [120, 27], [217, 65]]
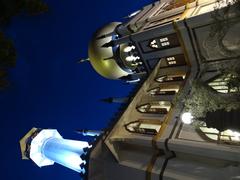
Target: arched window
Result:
[[129, 57], [156, 107], [150, 127], [175, 60], [164, 42], [226, 84], [160, 43], [164, 90], [212, 134], [170, 78]]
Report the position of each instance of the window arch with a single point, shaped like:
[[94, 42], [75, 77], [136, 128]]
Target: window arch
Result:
[[156, 107], [214, 135], [149, 127], [164, 90], [226, 84], [171, 78], [164, 42], [175, 60]]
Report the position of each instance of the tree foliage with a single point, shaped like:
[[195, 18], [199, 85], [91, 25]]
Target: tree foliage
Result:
[[3, 81], [7, 53], [7, 59], [204, 99], [232, 74], [222, 18], [8, 9]]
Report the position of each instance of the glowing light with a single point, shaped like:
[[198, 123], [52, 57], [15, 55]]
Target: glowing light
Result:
[[130, 58], [187, 118], [129, 48], [236, 135]]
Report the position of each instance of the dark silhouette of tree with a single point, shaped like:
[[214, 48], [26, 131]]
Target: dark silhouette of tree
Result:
[[35, 7], [7, 59], [7, 53], [8, 9], [3, 81]]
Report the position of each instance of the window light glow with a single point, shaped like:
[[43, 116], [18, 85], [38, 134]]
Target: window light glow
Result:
[[129, 48], [164, 39], [225, 136], [165, 44], [171, 58], [172, 62], [154, 44], [132, 58]]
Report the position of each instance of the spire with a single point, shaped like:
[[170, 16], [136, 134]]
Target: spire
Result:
[[83, 60], [85, 132], [132, 14], [110, 100], [133, 81], [106, 35], [108, 44]]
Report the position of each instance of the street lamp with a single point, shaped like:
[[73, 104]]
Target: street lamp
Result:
[[187, 118]]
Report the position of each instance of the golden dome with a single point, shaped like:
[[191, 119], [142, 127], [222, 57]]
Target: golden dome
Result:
[[102, 58]]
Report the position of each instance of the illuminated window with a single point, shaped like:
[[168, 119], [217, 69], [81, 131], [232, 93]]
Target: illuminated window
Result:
[[227, 136], [170, 78], [170, 58], [156, 107], [163, 39], [172, 62], [225, 84], [157, 43], [150, 127], [169, 90], [160, 43], [129, 48], [153, 44], [165, 44]]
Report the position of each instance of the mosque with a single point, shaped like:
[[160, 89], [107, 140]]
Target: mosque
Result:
[[181, 121]]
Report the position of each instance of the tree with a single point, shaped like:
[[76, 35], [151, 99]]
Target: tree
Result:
[[203, 99], [8, 9], [34, 7], [7, 59], [3, 82], [7, 52], [223, 21]]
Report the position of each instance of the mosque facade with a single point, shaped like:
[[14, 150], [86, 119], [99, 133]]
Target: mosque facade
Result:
[[181, 122]]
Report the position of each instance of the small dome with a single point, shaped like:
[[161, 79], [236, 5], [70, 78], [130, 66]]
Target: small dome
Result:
[[102, 58]]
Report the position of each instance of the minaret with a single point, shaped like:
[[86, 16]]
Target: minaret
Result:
[[46, 147]]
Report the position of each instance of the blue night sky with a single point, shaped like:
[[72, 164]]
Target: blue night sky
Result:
[[48, 89]]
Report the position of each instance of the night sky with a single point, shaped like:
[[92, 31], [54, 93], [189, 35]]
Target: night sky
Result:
[[48, 89]]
